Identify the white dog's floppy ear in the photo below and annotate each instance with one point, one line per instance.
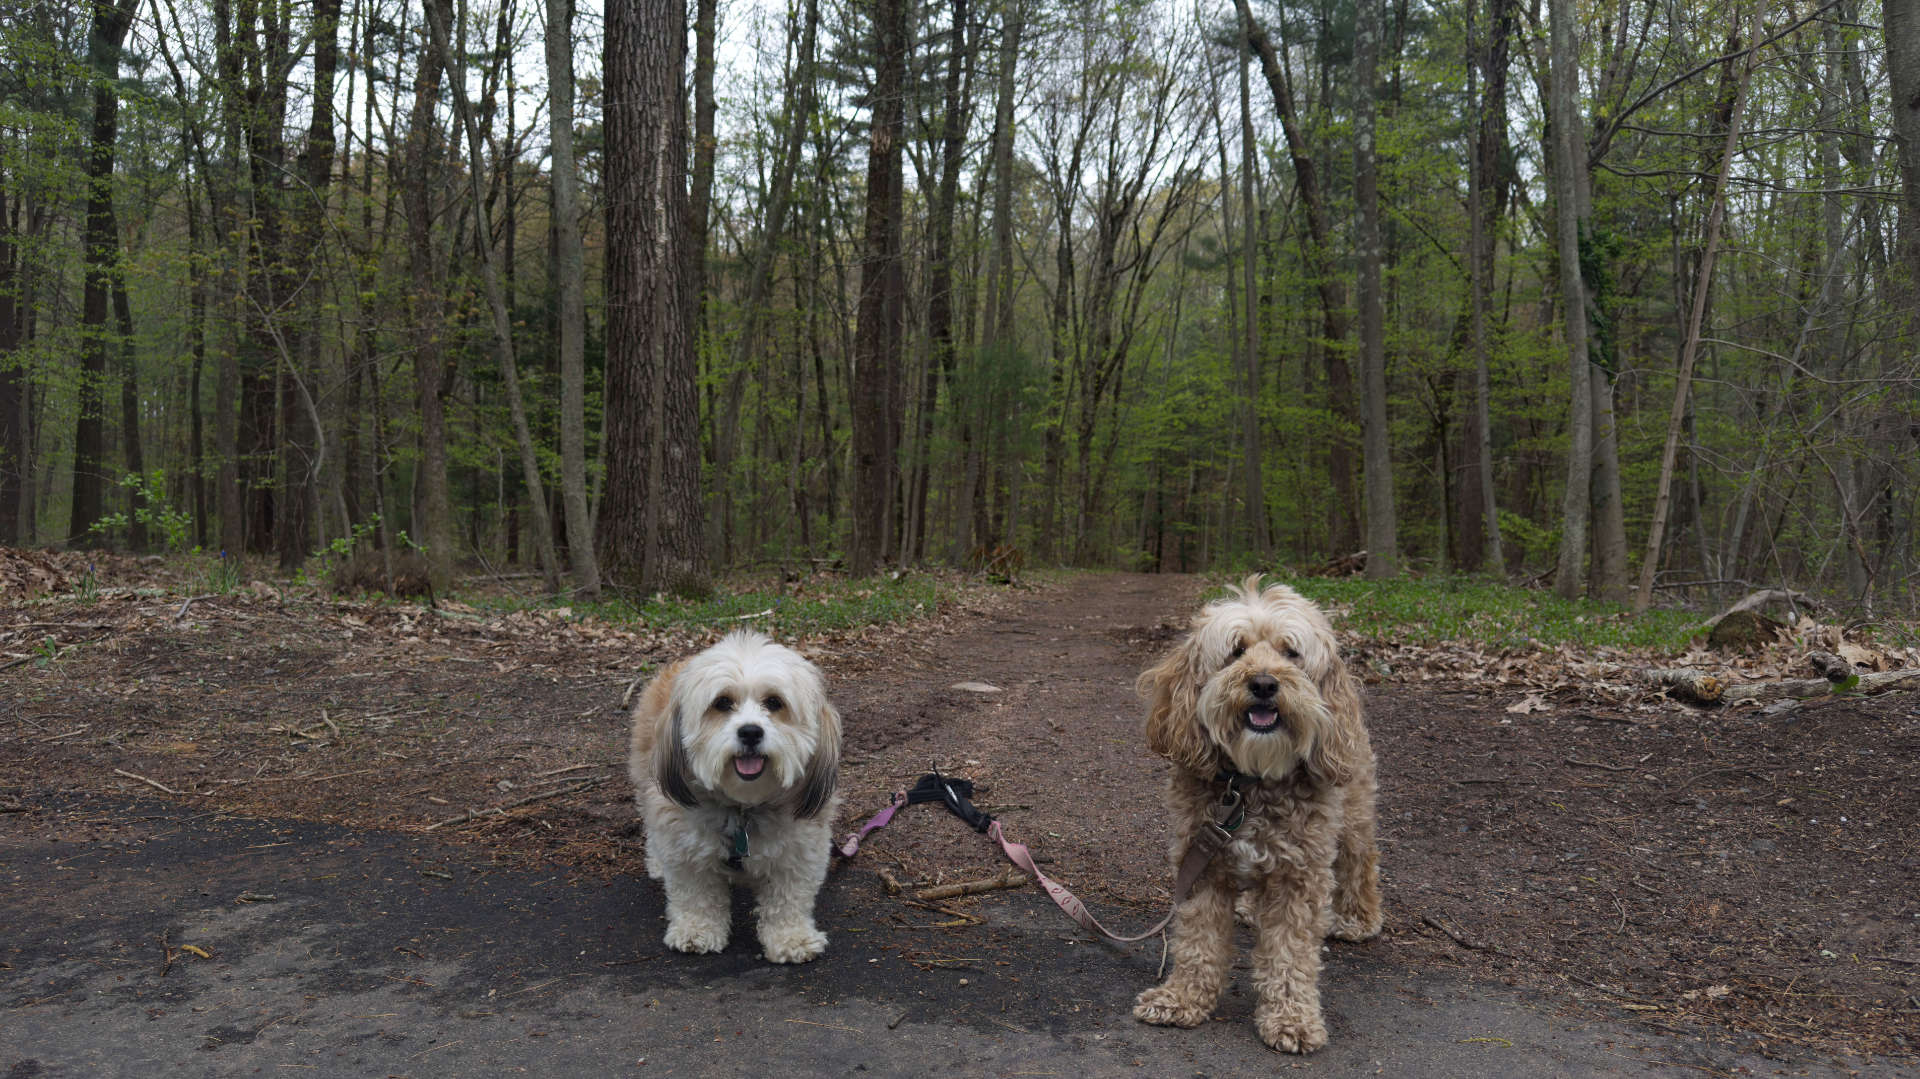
(671, 767)
(1172, 689)
(823, 769)
(1335, 754)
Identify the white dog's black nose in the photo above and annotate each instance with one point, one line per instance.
(750, 734)
(1263, 686)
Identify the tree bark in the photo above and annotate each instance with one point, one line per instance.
(881, 319)
(1383, 544)
(570, 273)
(649, 529)
(1482, 544)
(1567, 168)
(107, 32)
(1255, 480)
(433, 524)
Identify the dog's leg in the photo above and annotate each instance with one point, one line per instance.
(699, 915)
(1286, 960)
(785, 899)
(1202, 948)
(1357, 912)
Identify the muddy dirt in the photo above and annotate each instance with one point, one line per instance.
(1747, 880)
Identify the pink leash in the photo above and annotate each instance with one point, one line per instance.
(1207, 842)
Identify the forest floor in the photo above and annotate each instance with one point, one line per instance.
(1727, 890)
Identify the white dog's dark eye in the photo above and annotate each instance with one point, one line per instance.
(774, 704)
(723, 703)
(1239, 649)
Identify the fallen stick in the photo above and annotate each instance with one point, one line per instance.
(154, 783)
(1006, 878)
(1694, 687)
(529, 800)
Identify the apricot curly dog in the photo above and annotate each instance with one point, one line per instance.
(1255, 707)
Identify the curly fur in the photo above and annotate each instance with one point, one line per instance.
(739, 735)
(1258, 688)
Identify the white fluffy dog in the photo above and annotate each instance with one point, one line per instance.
(734, 758)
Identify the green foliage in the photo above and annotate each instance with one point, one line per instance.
(826, 606)
(150, 507)
(220, 574)
(1491, 614)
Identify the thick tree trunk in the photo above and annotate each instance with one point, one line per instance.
(1479, 511)
(1383, 544)
(107, 32)
(649, 529)
(433, 502)
(1256, 489)
(14, 477)
(1567, 168)
(570, 274)
(881, 318)
(1902, 19)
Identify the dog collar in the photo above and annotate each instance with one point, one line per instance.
(737, 842)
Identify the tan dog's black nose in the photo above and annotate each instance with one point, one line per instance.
(1263, 686)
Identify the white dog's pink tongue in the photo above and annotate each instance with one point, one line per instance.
(748, 767)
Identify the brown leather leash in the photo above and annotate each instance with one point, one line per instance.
(1225, 818)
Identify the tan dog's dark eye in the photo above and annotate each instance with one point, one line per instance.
(723, 703)
(1292, 652)
(774, 704)
(1239, 649)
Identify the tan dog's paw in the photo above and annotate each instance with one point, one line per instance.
(691, 935)
(797, 945)
(1347, 927)
(1289, 1031)
(1165, 1008)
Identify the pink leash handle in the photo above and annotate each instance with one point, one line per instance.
(851, 845)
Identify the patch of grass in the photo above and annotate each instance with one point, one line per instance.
(1493, 614)
(825, 605)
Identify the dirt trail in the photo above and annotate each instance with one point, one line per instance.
(1568, 893)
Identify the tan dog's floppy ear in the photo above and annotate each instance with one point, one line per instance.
(671, 768)
(1335, 754)
(1172, 689)
(823, 770)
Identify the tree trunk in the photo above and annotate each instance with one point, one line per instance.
(135, 454)
(649, 529)
(14, 475)
(570, 271)
(107, 32)
(1383, 544)
(433, 525)
(1567, 168)
(1690, 345)
(1481, 545)
(1256, 488)
(1902, 19)
(876, 401)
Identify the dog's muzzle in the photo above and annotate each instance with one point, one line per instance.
(1263, 715)
(749, 763)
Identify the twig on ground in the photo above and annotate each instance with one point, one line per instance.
(154, 783)
(1465, 942)
(1006, 878)
(890, 882)
(182, 612)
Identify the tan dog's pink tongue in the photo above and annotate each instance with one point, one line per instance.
(749, 766)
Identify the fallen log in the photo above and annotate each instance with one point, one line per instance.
(1685, 684)
(1006, 878)
(1876, 682)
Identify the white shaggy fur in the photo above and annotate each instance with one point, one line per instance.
(740, 735)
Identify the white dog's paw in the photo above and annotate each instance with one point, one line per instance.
(796, 944)
(1164, 1007)
(693, 935)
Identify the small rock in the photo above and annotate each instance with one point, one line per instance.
(974, 687)
(1763, 846)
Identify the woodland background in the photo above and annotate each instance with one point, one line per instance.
(1620, 293)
